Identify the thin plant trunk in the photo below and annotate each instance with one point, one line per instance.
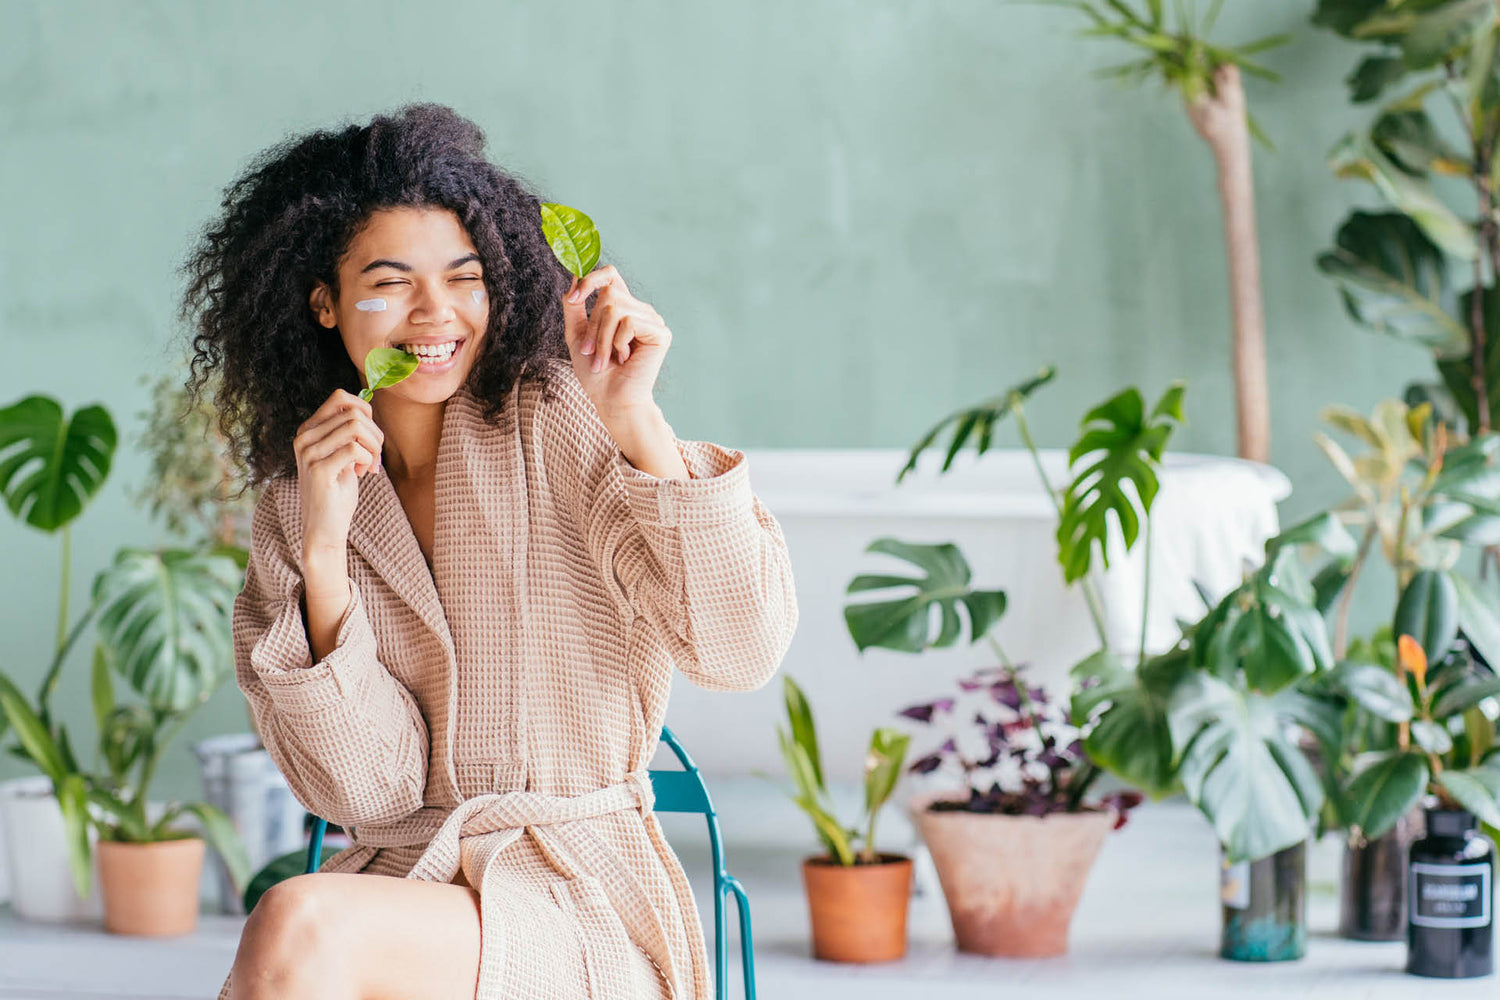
(1220, 119)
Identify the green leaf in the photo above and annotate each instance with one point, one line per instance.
(883, 767)
(804, 731)
(101, 691)
(1428, 612)
(1385, 791)
(72, 798)
(904, 625)
(51, 467)
(1457, 370)
(1130, 737)
(280, 869)
(1393, 279)
(1471, 793)
(976, 424)
(1431, 736)
(38, 743)
(1126, 447)
(1269, 633)
(1344, 16)
(1465, 695)
(1323, 531)
(1376, 690)
(1356, 156)
(165, 615)
(1239, 768)
(1409, 138)
(1374, 76)
(384, 367)
(1478, 619)
(129, 820)
(572, 237)
(220, 832)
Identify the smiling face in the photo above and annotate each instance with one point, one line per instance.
(411, 279)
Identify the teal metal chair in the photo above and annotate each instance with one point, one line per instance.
(676, 792)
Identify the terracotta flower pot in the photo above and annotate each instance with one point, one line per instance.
(858, 911)
(1012, 882)
(151, 889)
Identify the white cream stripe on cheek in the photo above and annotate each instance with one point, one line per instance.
(478, 296)
(370, 305)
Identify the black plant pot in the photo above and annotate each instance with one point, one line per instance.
(1450, 929)
(1265, 907)
(1372, 893)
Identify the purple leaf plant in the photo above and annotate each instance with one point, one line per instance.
(1019, 755)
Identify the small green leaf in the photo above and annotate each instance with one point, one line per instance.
(384, 367)
(804, 731)
(1385, 791)
(1376, 690)
(1428, 612)
(883, 767)
(1471, 793)
(1431, 736)
(572, 237)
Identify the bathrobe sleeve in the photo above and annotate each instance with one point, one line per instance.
(701, 560)
(347, 735)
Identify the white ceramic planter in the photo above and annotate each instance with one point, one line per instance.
(36, 856)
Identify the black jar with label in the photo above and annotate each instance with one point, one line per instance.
(1451, 899)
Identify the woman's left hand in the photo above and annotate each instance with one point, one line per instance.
(617, 349)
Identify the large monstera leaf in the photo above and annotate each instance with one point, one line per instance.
(1240, 768)
(1124, 444)
(1123, 714)
(976, 424)
(1393, 280)
(905, 624)
(165, 616)
(51, 466)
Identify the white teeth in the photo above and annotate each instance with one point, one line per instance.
(438, 352)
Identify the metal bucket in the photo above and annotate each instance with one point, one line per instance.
(240, 778)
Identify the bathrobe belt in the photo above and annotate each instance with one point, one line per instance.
(560, 824)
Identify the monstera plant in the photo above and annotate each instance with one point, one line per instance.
(1431, 72)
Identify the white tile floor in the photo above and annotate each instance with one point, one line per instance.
(1147, 927)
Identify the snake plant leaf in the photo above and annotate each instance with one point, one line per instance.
(384, 367)
(572, 237)
(165, 613)
(804, 730)
(1130, 737)
(1356, 156)
(1240, 769)
(904, 624)
(1472, 794)
(1127, 445)
(51, 467)
(1383, 791)
(1428, 612)
(976, 424)
(1393, 279)
(809, 799)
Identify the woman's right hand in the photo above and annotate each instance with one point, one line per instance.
(335, 446)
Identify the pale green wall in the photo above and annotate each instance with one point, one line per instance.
(854, 215)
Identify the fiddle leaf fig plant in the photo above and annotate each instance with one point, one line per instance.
(572, 237)
(386, 366)
(882, 769)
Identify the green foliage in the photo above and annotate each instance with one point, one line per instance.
(384, 367)
(799, 748)
(1124, 444)
(904, 624)
(65, 461)
(976, 424)
(572, 237)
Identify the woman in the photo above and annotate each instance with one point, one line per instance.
(466, 597)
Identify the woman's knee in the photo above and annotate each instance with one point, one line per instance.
(290, 937)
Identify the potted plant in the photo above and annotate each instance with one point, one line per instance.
(1421, 495)
(856, 895)
(1023, 777)
(55, 465)
(1395, 269)
(164, 620)
(1122, 443)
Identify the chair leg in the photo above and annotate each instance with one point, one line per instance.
(747, 938)
(315, 845)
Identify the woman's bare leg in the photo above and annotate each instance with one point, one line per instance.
(346, 936)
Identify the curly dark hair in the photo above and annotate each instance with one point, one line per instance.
(288, 221)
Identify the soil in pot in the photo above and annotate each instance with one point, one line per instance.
(1012, 882)
(151, 889)
(858, 911)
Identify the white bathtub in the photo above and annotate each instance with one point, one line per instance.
(1212, 514)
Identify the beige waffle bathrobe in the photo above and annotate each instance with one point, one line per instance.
(498, 713)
